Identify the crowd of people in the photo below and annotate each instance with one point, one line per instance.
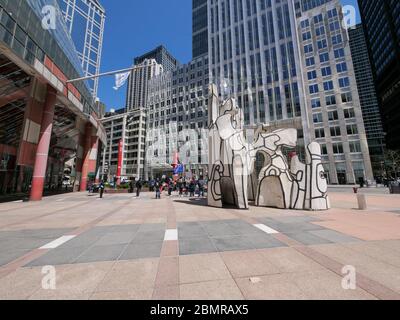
(182, 187)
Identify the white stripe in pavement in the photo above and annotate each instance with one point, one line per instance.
(18, 201)
(59, 200)
(171, 235)
(265, 228)
(58, 242)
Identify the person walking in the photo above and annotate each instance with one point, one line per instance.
(192, 188)
(157, 186)
(170, 187)
(138, 187)
(101, 189)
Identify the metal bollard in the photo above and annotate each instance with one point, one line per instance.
(362, 202)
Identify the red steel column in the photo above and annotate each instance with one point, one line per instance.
(86, 157)
(42, 152)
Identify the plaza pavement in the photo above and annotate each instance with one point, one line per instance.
(121, 247)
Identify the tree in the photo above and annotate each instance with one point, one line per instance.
(392, 158)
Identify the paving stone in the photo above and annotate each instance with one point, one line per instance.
(296, 219)
(307, 238)
(264, 241)
(58, 256)
(243, 228)
(22, 243)
(196, 246)
(191, 230)
(218, 229)
(115, 238)
(334, 236)
(142, 250)
(152, 227)
(9, 256)
(101, 253)
(149, 236)
(83, 240)
(127, 228)
(232, 243)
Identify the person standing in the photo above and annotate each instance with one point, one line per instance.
(170, 187)
(157, 186)
(101, 189)
(138, 187)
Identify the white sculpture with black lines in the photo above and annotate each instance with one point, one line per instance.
(232, 159)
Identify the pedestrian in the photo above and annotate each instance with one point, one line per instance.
(157, 186)
(132, 185)
(201, 187)
(101, 189)
(170, 187)
(180, 188)
(192, 188)
(138, 187)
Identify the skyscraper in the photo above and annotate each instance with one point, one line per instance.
(136, 97)
(381, 22)
(85, 21)
(162, 57)
(288, 64)
(200, 28)
(368, 98)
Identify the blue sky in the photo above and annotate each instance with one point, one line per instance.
(134, 27)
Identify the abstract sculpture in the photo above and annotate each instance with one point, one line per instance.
(232, 160)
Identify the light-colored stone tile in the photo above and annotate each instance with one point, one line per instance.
(130, 275)
(202, 267)
(211, 290)
(248, 263)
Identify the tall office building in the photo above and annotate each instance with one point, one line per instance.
(136, 97)
(381, 22)
(200, 28)
(130, 127)
(368, 98)
(288, 63)
(177, 120)
(162, 57)
(85, 21)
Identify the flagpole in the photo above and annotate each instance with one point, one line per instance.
(107, 73)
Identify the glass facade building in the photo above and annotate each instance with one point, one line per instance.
(288, 64)
(44, 121)
(85, 21)
(162, 57)
(381, 22)
(368, 98)
(200, 28)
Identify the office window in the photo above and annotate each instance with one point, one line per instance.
(337, 148)
(328, 85)
(349, 113)
(324, 149)
(327, 71)
(317, 118)
(347, 97)
(341, 67)
(335, 131)
(352, 129)
(316, 103)
(333, 115)
(312, 75)
(319, 133)
(330, 100)
(310, 62)
(314, 89)
(324, 57)
(344, 82)
(355, 146)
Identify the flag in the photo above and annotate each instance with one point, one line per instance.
(179, 168)
(120, 79)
